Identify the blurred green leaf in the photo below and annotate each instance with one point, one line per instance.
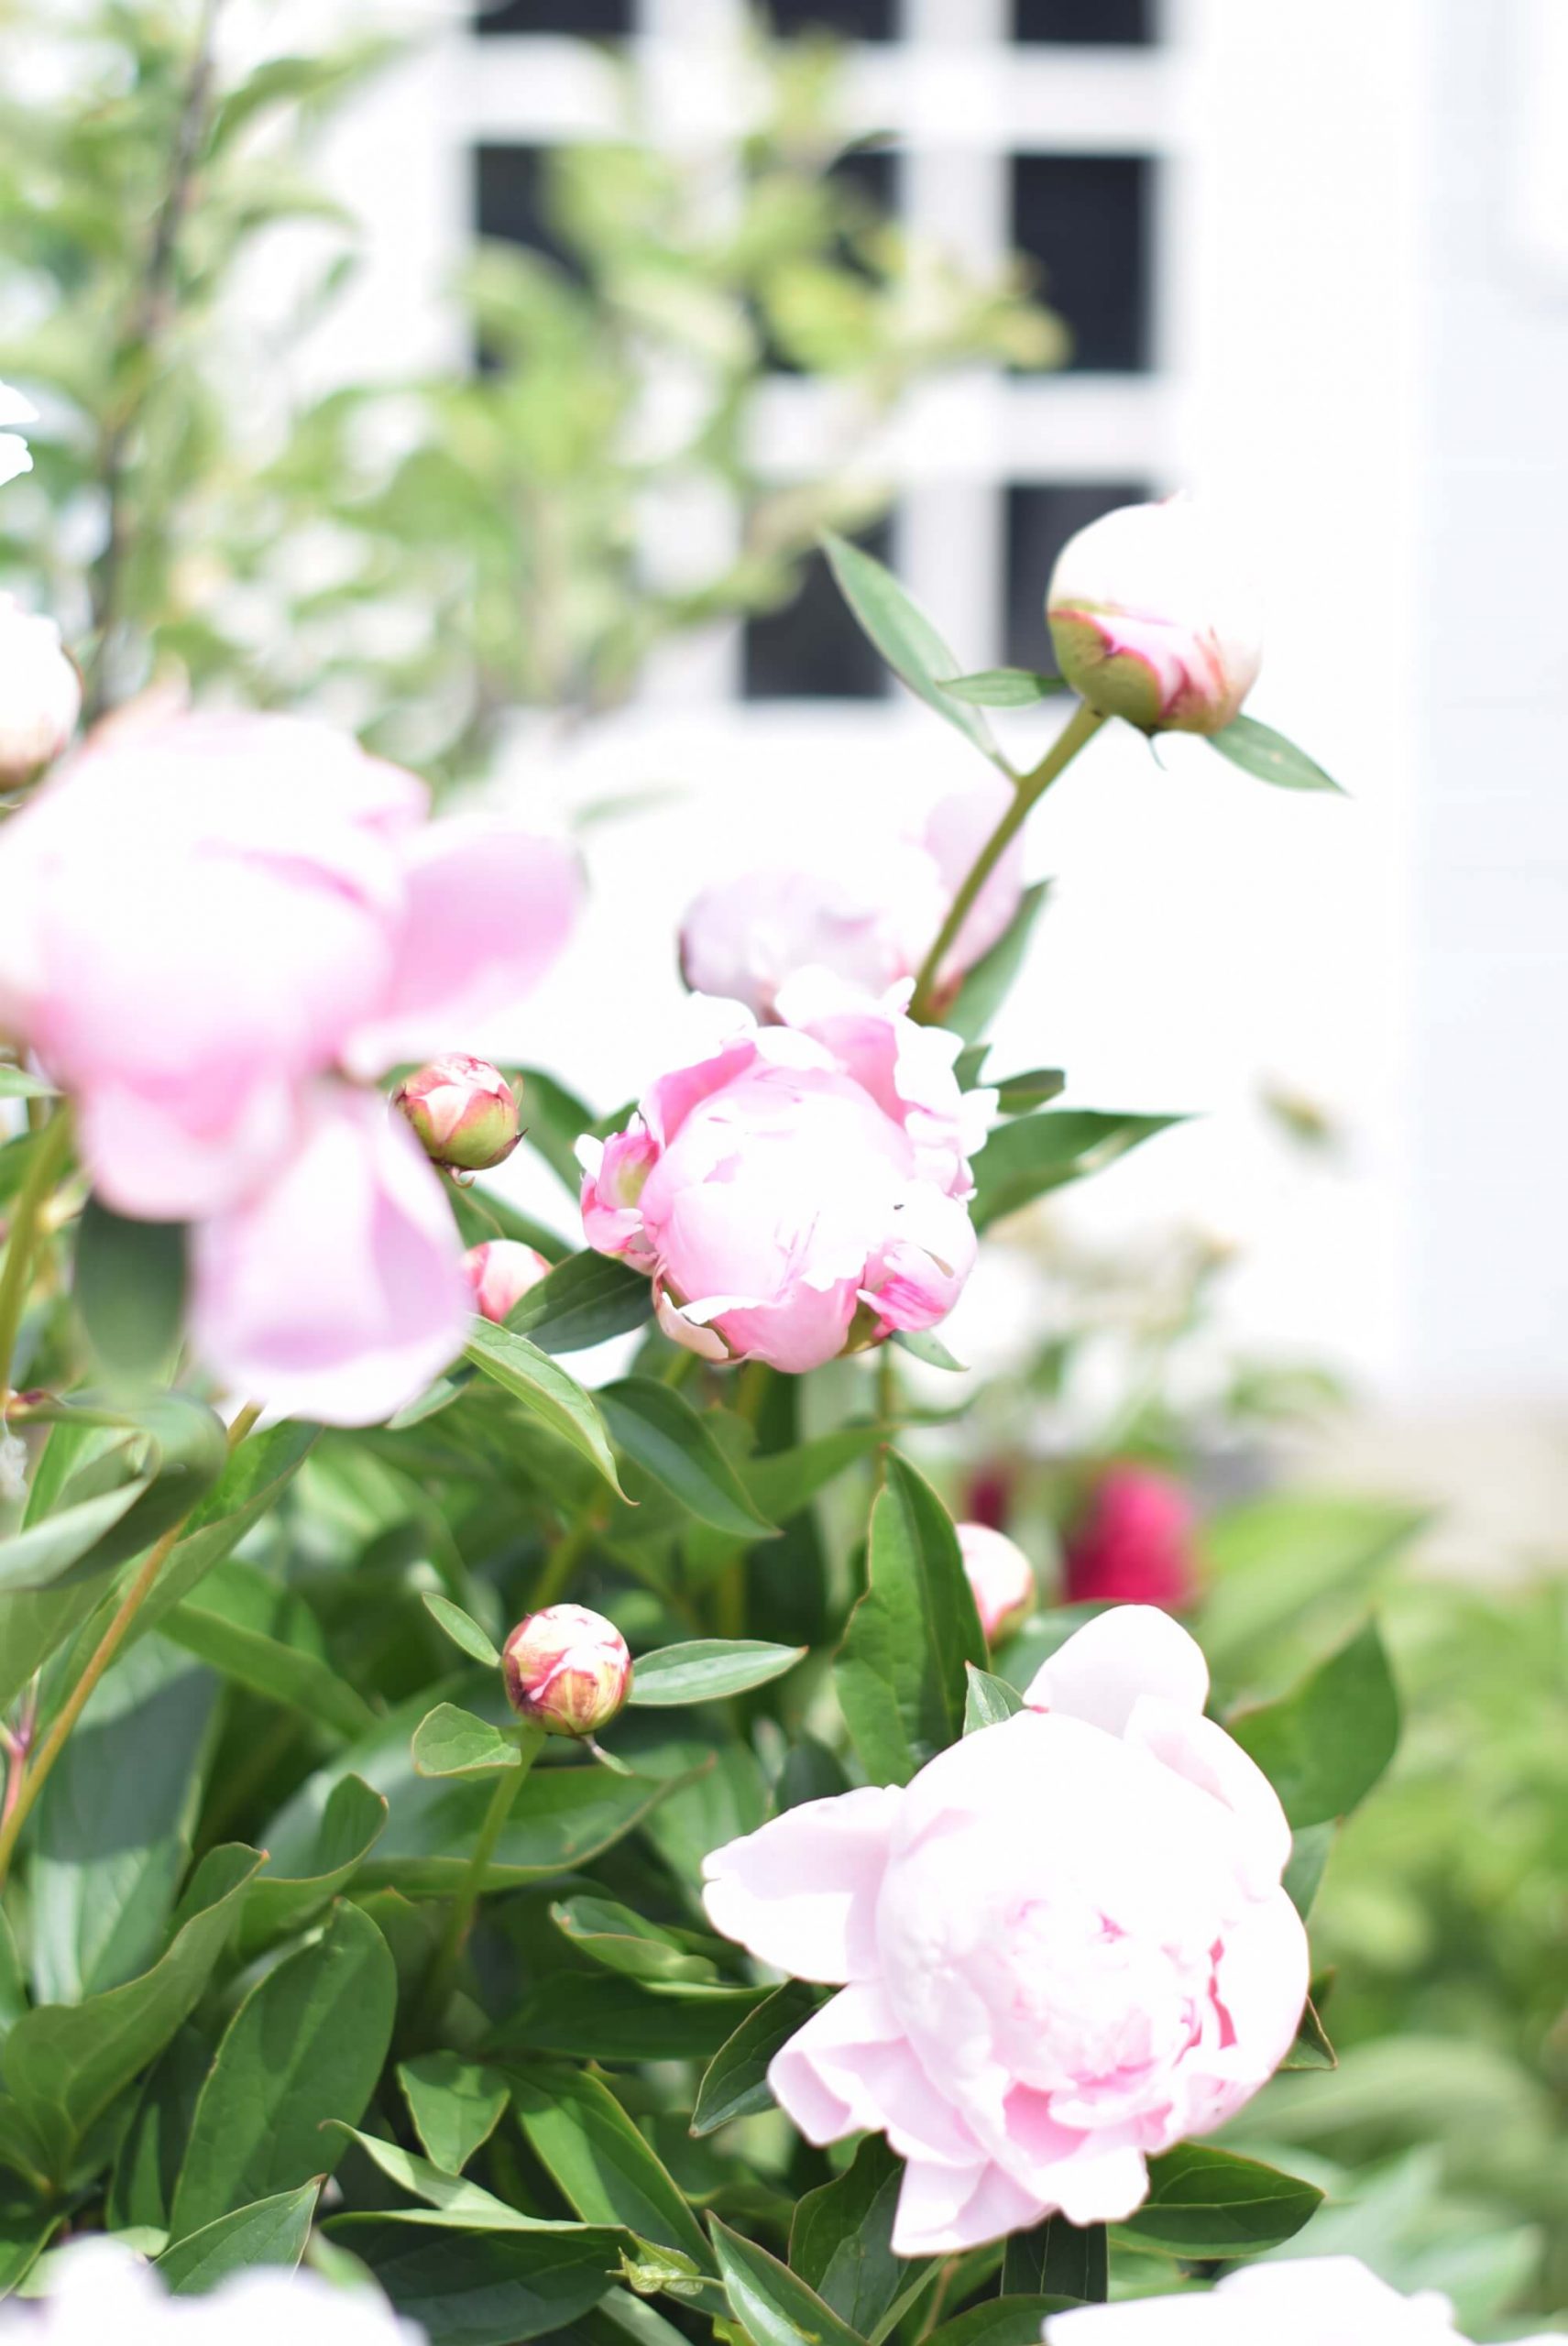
(1259, 750)
(462, 1628)
(1004, 687)
(987, 986)
(1028, 1159)
(658, 1428)
(129, 1284)
(905, 638)
(1203, 2202)
(1324, 1745)
(901, 1671)
(707, 1670)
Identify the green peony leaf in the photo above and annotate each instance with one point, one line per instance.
(585, 1300)
(1028, 1159)
(1259, 750)
(1004, 687)
(1204, 2202)
(735, 2083)
(451, 1742)
(987, 1700)
(660, 1430)
(557, 1400)
(268, 2231)
(772, 2306)
(129, 1284)
(900, 1672)
(1324, 1745)
(906, 640)
(455, 2105)
(462, 1628)
(707, 1670)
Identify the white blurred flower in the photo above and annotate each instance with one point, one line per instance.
(13, 456)
(98, 2290)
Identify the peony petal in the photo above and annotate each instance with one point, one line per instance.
(338, 1291)
(1201, 1751)
(801, 1892)
(943, 2209)
(1102, 1669)
(489, 906)
(160, 1165)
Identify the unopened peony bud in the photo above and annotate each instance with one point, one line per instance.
(1153, 619)
(500, 1271)
(40, 693)
(1001, 1578)
(567, 1669)
(463, 1112)
(1133, 1545)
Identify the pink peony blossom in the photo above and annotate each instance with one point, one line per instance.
(868, 912)
(205, 912)
(1133, 1545)
(1154, 619)
(336, 1290)
(800, 1190)
(462, 1111)
(40, 693)
(499, 1272)
(1063, 1946)
(1001, 1578)
(1316, 2301)
(567, 1669)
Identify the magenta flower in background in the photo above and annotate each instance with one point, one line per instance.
(1133, 1545)
(867, 911)
(1061, 1948)
(801, 1189)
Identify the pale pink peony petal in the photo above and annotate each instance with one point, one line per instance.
(944, 2209)
(338, 1291)
(1200, 1750)
(801, 1892)
(1102, 1669)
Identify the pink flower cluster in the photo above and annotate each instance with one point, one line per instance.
(800, 1190)
(1063, 1947)
(216, 925)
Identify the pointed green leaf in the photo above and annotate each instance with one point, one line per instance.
(593, 2016)
(1017, 1094)
(477, 2288)
(1001, 2321)
(1025, 1160)
(1259, 750)
(464, 2206)
(1202, 2202)
(264, 1637)
(922, 1343)
(450, 1742)
(455, 2105)
(987, 986)
(987, 1700)
(658, 1428)
(840, 2243)
(16, 1083)
(267, 2231)
(462, 1628)
(585, 1300)
(1324, 1745)
(771, 2305)
(900, 1671)
(1004, 687)
(707, 1670)
(905, 638)
(735, 2083)
(278, 1904)
(305, 2046)
(557, 1400)
(1056, 2259)
(626, 1942)
(187, 1451)
(253, 1482)
(599, 2161)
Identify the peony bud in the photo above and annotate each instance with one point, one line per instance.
(1133, 1545)
(463, 1112)
(567, 1669)
(1154, 620)
(500, 1271)
(1001, 1578)
(40, 693)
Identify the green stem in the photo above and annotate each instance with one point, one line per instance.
(49, 1151)
(556, 1573)
(460, 1913)
(1030, 788)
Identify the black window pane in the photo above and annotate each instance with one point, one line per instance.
(591, 19)
(510, 201)
(1085, 220)
(1039, 522)
(1099, 23)
(850, 19)
(812, 650)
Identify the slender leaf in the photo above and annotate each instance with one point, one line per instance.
(585, 1300)
(1324, 1745)
(455, 2105)
(623, 1941)
(464, 2206)
(187, 1451)
(546, 1391)
(707, 1670)
(268, 2231)
(900, 1672)
(771, 2306)
(16, 1083)
(462, 1628)
(1017, 1094)
(921, 1344)
(1026, 1159)
(735, 2083)
(1004, 687)
(265, 1637)
(906, 640)
(600, 2162)
(840, 2243)
(658, 1428)
(1258, 749)
(305, 2046)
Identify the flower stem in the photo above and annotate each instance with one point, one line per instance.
(1028, 789)
(48, 1150)
(460, 1913)
(108, 1645)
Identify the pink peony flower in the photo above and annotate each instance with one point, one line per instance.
(40, 693)
(462, 1111)
(567, 1669)
(1134, 1543)
(206, 912)
(335, 1291)
(1154, 619)
(801, 1190)
(1001, 1578)
(869, 914)
(499, 1272)
(1316, 2301)
(1062, 1946)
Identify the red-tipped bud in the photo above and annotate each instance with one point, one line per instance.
(567, 1669)
(463, 1112)
(500, 1271)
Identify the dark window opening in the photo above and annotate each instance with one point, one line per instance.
(872, 176)
(589, 19)
(1101, 24)
(1040, 519)
(850, 19)
(510, 203)
(1085, 220)
(812, 649)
